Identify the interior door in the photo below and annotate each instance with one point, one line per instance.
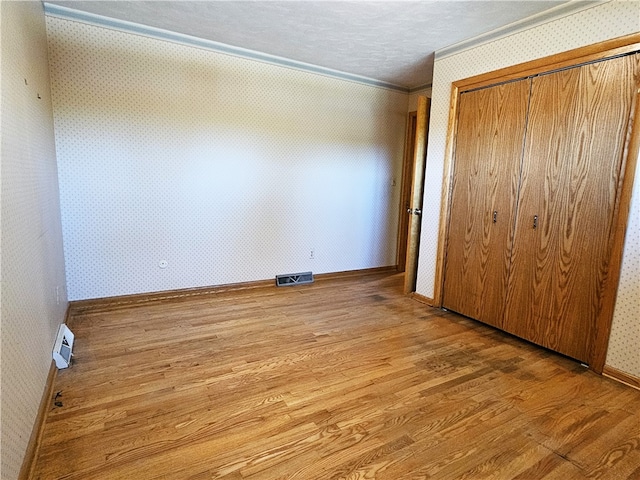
(488, 151)
(578, 119)
(405, 193)
(415, 209)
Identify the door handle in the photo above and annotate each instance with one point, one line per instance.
(535, 222)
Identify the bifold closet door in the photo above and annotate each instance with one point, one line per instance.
(489, 142)
(578, 121)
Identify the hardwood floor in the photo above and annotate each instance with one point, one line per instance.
(345, 378)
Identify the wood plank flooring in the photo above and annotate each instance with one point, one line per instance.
(342, 379)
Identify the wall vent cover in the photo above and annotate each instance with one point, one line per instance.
(294, 279)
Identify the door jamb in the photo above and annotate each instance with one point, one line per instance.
(405, 191)
(417, 193)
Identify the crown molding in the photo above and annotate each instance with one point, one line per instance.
(67, 13)
(564, 10)
(420, 88)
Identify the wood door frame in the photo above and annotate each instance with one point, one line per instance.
(405, 190)
(600, 51)
(417, 193)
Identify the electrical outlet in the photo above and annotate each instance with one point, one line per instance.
(312, 255)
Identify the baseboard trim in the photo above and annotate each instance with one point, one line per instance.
(33, 447)
(621, 376)
(98, 303)
(422, 299)
(79, 306)
(356, 273)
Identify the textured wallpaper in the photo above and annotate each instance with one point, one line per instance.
(624, 342)
(33, 293)
(599, 23)
(413, 98)
(181, 167)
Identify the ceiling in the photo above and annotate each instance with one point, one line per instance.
(389, 41)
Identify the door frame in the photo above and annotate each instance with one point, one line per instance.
(405, 190)
(610, 48)
(417, 191)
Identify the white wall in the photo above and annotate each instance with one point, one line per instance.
(596, 24)
(231, 170)
(32, 259)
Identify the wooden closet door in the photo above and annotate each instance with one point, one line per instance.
(489, 144)
(578, 119)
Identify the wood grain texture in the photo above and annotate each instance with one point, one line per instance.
(182, 293)
(405, 190)
(578, 121)
(589, 53)
(489, 143)
(343, 379)
(606, 49)
(417, 185)
(629, 162)
(445, 197)
(621, 376)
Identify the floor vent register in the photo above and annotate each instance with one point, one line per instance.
(294, 279)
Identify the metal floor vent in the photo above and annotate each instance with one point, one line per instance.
(63, 347)
(294, 279)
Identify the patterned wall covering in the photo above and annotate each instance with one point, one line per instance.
(599, 23)
(413, 98)
(32, 259)
(624, 342)
(228, 169)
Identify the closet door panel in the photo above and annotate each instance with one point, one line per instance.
(489, 144)
(578, 120)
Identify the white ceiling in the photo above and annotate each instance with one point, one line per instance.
(389, 41)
